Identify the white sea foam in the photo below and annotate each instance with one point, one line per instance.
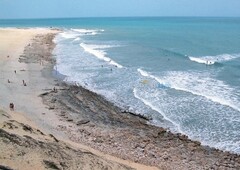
(87, 31)
(76, 33)
(69, 35)
(77, 39)
(198, 84)
(94, 46)
(153, 107)
(215, 95)
(146, 74)
(210, 60)
(202, 61)
(97, 50)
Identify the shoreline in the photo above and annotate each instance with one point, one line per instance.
(28, 134)
(89, 119)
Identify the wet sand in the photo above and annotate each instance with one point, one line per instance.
(79, 119)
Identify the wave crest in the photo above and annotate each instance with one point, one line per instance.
(210, 60)
(101, 54)
(87, 31)
(202, 61)
(198, 84)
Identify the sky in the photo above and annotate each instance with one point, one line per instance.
(11, 9)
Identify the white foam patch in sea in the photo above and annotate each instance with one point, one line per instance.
(146, 74)
(150, 103)
(77, 33)
(210, 114)
(69, 35)
(199, 84)
(88, 31)
(77, 39)
(210, 60)
(98, 51)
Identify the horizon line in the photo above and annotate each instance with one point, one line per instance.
(122, 17)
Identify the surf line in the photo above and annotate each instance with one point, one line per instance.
(157, 110)
(100, 54)
(209, 97)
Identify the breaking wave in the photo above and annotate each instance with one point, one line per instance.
(98, 51)
(198, 84)
(210, 60)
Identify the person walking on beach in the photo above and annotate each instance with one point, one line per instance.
(11, 106)
(54, 90)
(24, 83)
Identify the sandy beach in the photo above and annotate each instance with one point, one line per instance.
(24, 130)
(55, 125)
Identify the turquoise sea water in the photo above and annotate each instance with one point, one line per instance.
(184, 73)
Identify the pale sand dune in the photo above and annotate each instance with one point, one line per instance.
(14, 40)
(29, 109)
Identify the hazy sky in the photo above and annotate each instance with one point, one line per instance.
(106, 8)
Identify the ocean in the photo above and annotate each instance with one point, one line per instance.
(182, 72)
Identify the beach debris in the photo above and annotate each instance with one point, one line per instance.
(43, 94)
(40, 132)
(56, 140)
(51, 108)
(27, 128)
(82, 122)
(15, 71)
(70, 120)
(136, 114)
(9, 81)
(64, 89)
